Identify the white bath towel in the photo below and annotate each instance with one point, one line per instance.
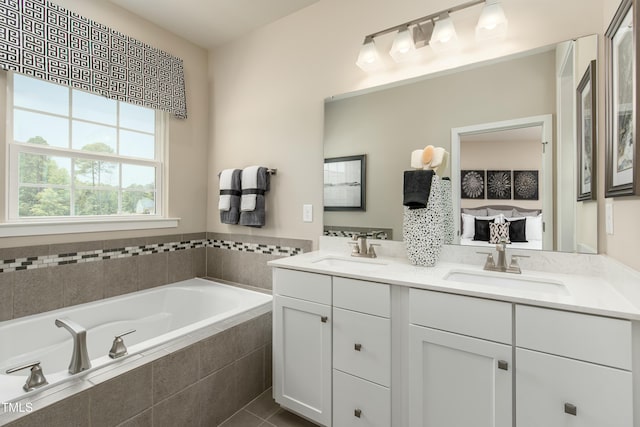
(416, 159)
(249, 181)
(224, 202)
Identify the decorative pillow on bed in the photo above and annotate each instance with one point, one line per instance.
(518, 212)
(533, 228)
(475, 212)
(499, 233)
(481, 227)
(468, 224)
(508, 213)
(518, 230)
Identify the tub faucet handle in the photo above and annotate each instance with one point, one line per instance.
(36, 377)
(118, 349)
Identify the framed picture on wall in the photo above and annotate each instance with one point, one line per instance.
(525, 185)
(498, 184)
(587, 135)
(621, 41)
(344, 183)
(472, 184)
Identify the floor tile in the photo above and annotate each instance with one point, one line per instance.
(263, 406)
(283, 418)
(242, 419)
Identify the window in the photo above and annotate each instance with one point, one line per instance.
(74, 155)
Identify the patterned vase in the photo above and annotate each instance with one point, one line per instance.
(447, 209)
(423, 229)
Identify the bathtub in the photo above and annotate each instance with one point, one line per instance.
(159, 315)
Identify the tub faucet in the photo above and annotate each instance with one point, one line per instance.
(80, 357)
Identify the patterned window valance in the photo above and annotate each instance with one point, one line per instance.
(42, 39)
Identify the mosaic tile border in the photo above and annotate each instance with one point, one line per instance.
(43, 261)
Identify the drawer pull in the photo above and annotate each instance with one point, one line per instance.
(570, 409)
(357, 413)
(357, 347)
(324, 319)
(503, 364)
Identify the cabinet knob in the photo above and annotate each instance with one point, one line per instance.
(324, 319)
(570, 409)
(357, 347)
(503, 364)
(357, 413)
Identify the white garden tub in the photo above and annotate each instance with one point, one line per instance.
(158, 315)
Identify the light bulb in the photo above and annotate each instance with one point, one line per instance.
(492, 23)
(444, 35)
(403, 48)
(368, 58)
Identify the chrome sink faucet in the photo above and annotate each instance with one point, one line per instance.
(80, 357)
(501, 264)
(360, 246)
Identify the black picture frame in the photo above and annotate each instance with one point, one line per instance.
(622, 173)
(472, 184)
(526, 185)
(587, 135)
(345, 183)
(499, 184)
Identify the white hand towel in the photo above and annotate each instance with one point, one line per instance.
(440, 170)
(224, 202)
(249, 181)
(416, 159)
(438, 156)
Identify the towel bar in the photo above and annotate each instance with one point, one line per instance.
(269, 171)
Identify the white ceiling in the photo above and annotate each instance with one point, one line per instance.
(211, 23)
(533, 133)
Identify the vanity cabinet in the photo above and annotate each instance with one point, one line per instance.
(458, 374)
(572, 369)
(302, 343)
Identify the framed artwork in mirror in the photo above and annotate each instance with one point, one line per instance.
(525, 185)
(621, 168)
(587, 135)
(344, 183)
(472, 183)
(499, 184)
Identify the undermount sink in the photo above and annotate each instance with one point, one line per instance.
(509, 281)
(360, 264)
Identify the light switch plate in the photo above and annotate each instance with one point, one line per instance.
(608, 213)
(307, 213)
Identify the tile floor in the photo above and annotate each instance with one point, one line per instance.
(263, 411)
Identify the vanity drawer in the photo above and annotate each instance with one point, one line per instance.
(362, 296)
(595, 339)
(556, 391)
(475, 317)
(359, 403)
(302, 285)
(362, 345)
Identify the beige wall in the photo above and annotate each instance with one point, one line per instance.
(268, 87)
(502, 155)
(188, 138)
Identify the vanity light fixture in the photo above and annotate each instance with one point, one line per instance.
(492, 23)
(369, 59)
(436, 30)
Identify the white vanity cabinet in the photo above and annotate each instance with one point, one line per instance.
(460, 361)
(302, 343)
(361, 353)
(572, 369)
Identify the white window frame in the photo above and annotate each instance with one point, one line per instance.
(26, 226)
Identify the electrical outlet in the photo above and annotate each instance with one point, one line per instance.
(608, 214)
(307, 213)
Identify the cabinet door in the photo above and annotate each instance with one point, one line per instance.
(458, 381)
(556, 391)
(302, 357)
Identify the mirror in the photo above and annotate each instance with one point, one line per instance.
(477, 113)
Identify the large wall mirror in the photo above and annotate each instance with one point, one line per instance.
(513, 119)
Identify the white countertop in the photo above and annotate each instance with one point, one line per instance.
(586, 294)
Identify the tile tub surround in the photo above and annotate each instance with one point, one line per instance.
(200, 380)
(245, 261)
(36, 279)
